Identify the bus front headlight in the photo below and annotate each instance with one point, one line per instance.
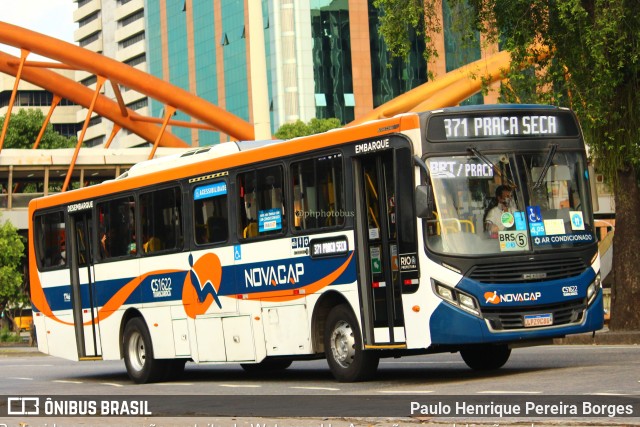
(458, 298)
(468, 303)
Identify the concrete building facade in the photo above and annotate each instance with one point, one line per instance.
(116, 29)
(325, 58)
(64, 118)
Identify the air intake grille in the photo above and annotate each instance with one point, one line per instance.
(513, 318)
(528, 271)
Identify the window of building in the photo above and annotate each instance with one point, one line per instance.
(50, 241)
(94, 141)
(210, 213)
(317, 193)
(141, 103)
(88, 19)
(116, 228)
(161, 220)
(261, 199)
(131, 40)
(331, 40)
(89, 39)
(67, 129)
(131, 18)
(95, 121)
(136, 60)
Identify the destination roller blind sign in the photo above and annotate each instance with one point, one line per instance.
(464, 126)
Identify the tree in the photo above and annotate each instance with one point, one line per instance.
(299, 128)
(24, 128)
(12, 290)
(593, 67)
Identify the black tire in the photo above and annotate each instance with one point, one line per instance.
(141, 365)
(486, 357)
(266, 366)
(343, 348)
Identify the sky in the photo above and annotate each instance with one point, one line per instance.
(53, 18)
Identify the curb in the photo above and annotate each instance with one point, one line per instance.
(18, 349)
(603, 337)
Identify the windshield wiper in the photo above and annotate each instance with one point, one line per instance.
(489, 163)
(547, 164)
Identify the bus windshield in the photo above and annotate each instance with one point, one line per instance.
(509, 202)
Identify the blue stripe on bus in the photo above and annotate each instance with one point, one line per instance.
(252, 278)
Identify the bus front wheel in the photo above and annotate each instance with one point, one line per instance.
(343, 348)
(486, 357)
(141, 365)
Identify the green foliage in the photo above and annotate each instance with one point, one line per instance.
(299, 128)
(24, 128)
(400, 17)
(7, 336)
(12, 292)
(594, 65)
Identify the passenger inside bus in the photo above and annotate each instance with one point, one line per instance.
(497, 207)
(152, 244)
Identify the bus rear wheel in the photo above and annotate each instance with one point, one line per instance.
(343, 348)
(141, 365)
(486, 357)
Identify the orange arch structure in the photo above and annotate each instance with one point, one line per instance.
(122, 74)
(118, 74)
(445, 91)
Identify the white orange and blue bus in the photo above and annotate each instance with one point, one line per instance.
(357, 244)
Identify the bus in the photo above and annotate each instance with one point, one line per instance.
(354, 245)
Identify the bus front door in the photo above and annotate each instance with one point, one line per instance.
(83, 290)
(377, 239)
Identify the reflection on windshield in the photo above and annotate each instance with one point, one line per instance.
(492, 204)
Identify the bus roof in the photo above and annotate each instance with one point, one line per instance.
(221, 157)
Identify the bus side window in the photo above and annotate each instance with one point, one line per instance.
(210, 213)
(317, 193)
(49, 235)
(116, 227)
(261, 202)
(161, 220)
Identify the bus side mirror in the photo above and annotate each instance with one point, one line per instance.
(424, 202)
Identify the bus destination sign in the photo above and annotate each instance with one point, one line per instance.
(464, 127)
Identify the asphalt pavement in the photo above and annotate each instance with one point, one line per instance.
(602, 337)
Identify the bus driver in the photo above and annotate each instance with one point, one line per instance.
(493, 217)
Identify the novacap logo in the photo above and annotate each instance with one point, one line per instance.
(202, 284)
(495, 298)
(273, 275)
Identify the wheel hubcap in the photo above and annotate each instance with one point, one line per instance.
(137, 353)
(343, 344)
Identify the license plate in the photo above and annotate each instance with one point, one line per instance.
(533, 320)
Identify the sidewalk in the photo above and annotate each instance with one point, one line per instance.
(602, 337)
